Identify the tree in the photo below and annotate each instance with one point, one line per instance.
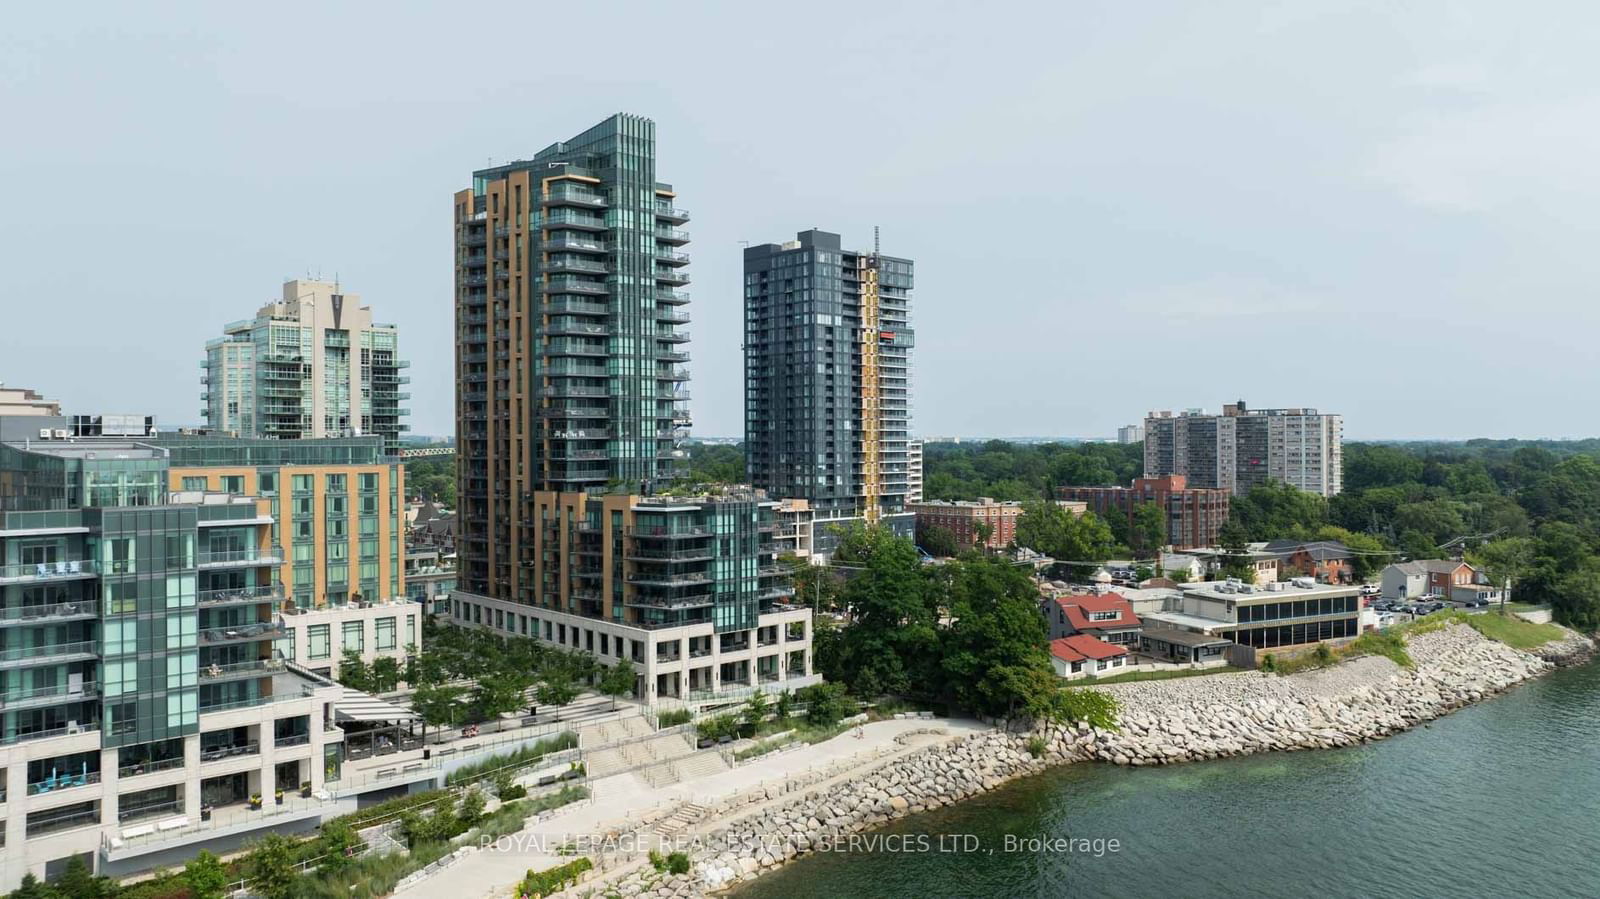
(825, 703)
(888, 646)
(32, 888)
(501, 692)
(1081, 541)
(438, 705)
(814, 585)
(1368, 555)
(78, 882)
(1504, 562)
(755, 711)
(270, 867)
(935, 541)
(785, 705)
(982, 532)
(993, 653)
(205, 876)
(354, 672)
(384, 675)
(1148, 530)
(618, 681)
(1277, 510)
(557, 687)
(337, 845)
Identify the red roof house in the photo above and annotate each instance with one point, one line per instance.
(1108, 616)
(1082, 655)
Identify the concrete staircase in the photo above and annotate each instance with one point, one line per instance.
(633, 726)
(686, 767)
(686, 815)
(646, 751)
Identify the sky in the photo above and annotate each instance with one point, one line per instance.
(1376, 209)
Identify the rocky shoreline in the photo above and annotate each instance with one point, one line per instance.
(1161, 722)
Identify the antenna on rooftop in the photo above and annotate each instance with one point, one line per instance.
(874, 243)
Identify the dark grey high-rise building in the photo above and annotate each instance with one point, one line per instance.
(569, 359)
(827, 376)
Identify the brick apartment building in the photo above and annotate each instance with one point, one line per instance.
(962, 517)
(1194, 514)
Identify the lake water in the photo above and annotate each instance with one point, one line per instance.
(1500, 799)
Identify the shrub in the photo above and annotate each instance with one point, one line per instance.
(511, 761)
(471, 810)
(678, 863)
(1036, 746)
(674, 717)
(657, 861)
(543, 883)
(506, 787)
(1268, 663)
(1324, 654)
(825, 703)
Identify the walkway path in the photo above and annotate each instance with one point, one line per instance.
(619, 804)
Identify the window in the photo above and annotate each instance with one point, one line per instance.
(197, 483)
(369, 482)
(233, 483)
(336, 484)
(317, 645)
(267, 483)
(302, 483)
(354, 632)
(384, 632)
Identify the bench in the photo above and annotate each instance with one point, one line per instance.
(143, 830)
(173, 824)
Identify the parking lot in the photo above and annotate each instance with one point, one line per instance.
(1402, 611)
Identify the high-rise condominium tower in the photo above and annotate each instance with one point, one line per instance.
(569, 410)
(1244, 447)
(827, 377)
(313, 364)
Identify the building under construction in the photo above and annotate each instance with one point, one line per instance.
(828, 379)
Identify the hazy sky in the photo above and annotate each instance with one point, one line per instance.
(1384, 210)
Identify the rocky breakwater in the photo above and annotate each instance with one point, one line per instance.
(1161, 722)
(1357, 701)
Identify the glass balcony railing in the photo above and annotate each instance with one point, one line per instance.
(50, 651)
(41, 571)
(272, 555)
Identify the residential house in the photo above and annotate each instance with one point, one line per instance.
(1084, 656)
(1105, 616)
(1422, 577)
(1328, 561)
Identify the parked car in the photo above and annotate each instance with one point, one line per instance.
(1370, 589)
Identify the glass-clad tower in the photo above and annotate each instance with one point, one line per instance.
(312, 364)
(569, 269)
(827, 377)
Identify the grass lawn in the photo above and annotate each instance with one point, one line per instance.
(1513, 631)
(1156, 675)
(1519, 607)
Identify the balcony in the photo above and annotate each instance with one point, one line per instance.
(291, 740)
(568, 196)
(241, 558)
(48, 571)
(570, 326)
(672, 236)
(55, 694)
(669, 554)
(584, 266)
(669, 601)
(241, 670)
(569, 219)
(674, 318)
(569, 284)
(675, 277)
(652, 533)
(672, 374)
(51, 611)
(575, 307)
(139, 768)
(668, 257)
(66, 781)
(572, 244)
(671, 213)
(689, 579)
(52, 654)
(240, 596)
(244, 633)
(574, 412)
(232, 750)
(673, 297)
(575, 347)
